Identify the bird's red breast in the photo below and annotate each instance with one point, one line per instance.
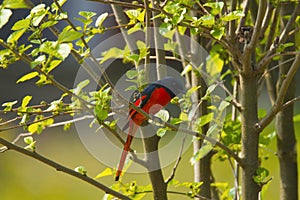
(158, 99)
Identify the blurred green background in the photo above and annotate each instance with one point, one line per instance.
(25, 178)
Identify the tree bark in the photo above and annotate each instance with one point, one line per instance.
(250, 135)
(154, 170)
(286, 140)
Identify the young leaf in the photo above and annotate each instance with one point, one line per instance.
(39, 60)
(236, 14)
(69, 35)
(100, 113)
(106, 172)
(81, 170)
(27, 77)
(216, 7)
(25, 101)
(8, 105)
(31, 143)
(64, 50)
(38, 8)
(218, 32)
(261, 175)
(101, 19)
(87, 14)
(4, 16)
(23, 23)
(131, 74)
(161, 132)
(112, 53)
(15, 36)
(16, 4)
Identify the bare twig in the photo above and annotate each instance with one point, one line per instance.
(281, 95)
(290, 102)
(256, 33)
(172, 175)
(281, 39)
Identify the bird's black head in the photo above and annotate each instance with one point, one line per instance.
(175, 86)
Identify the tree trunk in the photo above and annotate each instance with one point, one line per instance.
(286, 140)
(154, 170)
(250, 135)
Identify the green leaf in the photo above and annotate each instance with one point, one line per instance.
(100, 113)
(161, 132)
(27, 77)
(205, 119)
(60, 2)
(80, 86)
(112, 53)
(163, 115)
(35, 127)
(28, 140)
(39, 60)
(81, 170)
(135, 28)
(166, 30)
(133, 57)
(261, 175)
(192, 90)
(87, 14)
(234, 15)
(48, 24)
(105, 172)
(23, 23)
(218, 32)
(53, 65)
(4, 16)
(187, 69)
(8, 105)
(69, 35)
(26, 101)
(216, 7)
(203, 151)
(206, 20)
(132, 14)
(131, 74)
(101, 19)
(282, 47)
(64, 50)
(15, 36)
(31, 143)
(38, 8)
(266, 139)
(16, 4)
(214, 64)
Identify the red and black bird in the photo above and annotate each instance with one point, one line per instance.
(152, 99)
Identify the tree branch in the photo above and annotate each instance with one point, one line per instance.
(249, 49)
(62, 168)
(281, 95)
(281, 39)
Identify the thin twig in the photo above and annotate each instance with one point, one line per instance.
(256, 33)
(172, 175)
(281, 95)
(290, 102)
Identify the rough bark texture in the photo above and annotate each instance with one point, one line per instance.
(286, 140)
(248, 96)
(154, 171)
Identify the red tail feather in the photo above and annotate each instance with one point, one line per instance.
(126, 149)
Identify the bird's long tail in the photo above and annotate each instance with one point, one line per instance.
(132, 129)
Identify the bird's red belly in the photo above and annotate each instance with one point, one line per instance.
(159, 98)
